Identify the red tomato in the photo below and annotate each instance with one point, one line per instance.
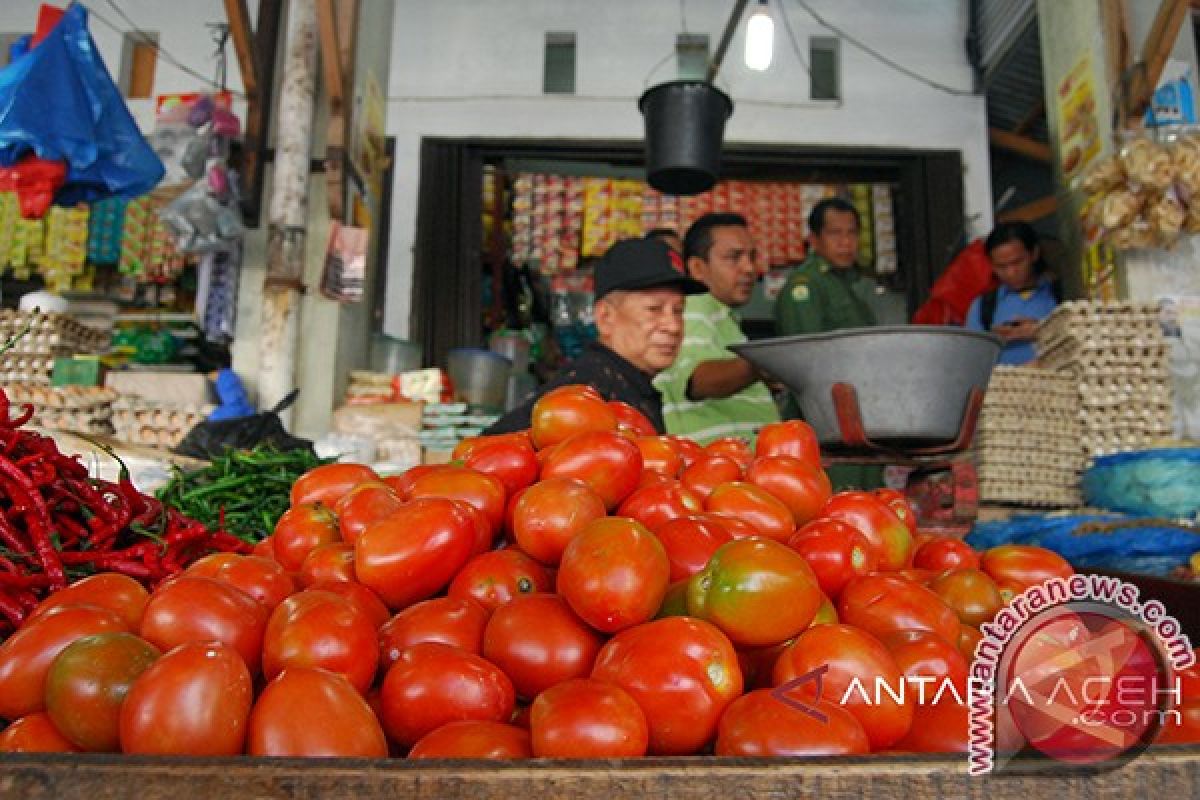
(585, 718)
(757, 664)
(736, 527)
(495, 577)
(630, 420)
(414, 553)
(111, 590)
(513, 461)
(614, 574)
(1189, 680)
(900, 506)
(659, 454)
(265, 548)
(792, 437)
(310, 712)
(262, 578)
(945, 553)
(757, 591)
(760, 724)
(1182, 730)
(472, 738)
(193, 701)
(689, 450)
(34, 733)
(770, 517)
(937, 728)
(327, 563)
(968, 639)
(851, 655)
(971, 594)
(327, 483)
(659, 503)
(455, 621)
(322, 630)
(826, 614)
(683, 673)
(1022, 566)
(402, 484)
(884, 604)
(539, 642)
(930, 663)
(690, 542)
(922, 577)
(732, 447)
(804, 488)
(299, 530)
(87, 683)
(362, 505)
(607, 463)
(569, 411)
(432, 684)
(836, 551)
(467, 447)
(483, 492)
(188, 609)
(883, 529)
(549, 514)
(360, 597)
(26, 656)
(708, 471)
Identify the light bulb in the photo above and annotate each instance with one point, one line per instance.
(760, 39)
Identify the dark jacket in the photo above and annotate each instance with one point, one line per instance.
(606, 372)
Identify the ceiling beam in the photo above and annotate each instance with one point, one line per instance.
(1021, 145)
(243, 44)
(1031, 211)
(1155, 52)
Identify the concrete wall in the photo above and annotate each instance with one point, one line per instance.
(474, 68)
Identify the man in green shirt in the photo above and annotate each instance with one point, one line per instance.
(709, 392)
(827, 293)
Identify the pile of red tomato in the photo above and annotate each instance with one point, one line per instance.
(583, 589)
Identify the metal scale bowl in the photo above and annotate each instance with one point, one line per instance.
(905, 396)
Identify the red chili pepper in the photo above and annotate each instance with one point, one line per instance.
(39, 524)
(11, 610)
(34, 581)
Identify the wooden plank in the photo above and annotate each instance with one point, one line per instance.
(258, 112)
(1172, 772)
(1034, 210)
(1021, 145)
(336, 29)
(1155, 52)
(243, 45)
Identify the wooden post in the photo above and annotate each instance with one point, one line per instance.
(286, 231)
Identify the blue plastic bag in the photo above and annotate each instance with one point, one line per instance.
(59, 102)
(1163, 482)
(1130, 544)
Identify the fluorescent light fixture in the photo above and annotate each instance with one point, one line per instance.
(760, 38)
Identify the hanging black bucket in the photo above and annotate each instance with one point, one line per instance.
(685, 121)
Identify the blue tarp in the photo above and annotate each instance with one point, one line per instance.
(60, 103)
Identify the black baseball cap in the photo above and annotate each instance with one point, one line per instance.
(634, 264)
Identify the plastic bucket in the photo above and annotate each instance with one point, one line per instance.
(513, 346)
(480, 376)
(392, 356)
(685, 122)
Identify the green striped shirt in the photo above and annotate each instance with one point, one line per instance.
(709, 326)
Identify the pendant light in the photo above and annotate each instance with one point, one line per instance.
(760, 38)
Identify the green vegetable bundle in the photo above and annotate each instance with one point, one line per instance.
(243, 492)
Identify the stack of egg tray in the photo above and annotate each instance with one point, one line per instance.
(76, 409)
(1027, 444)
(1117, 357)
(161, 425)
(40, 338)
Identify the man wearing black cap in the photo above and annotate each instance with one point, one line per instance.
(640, 288)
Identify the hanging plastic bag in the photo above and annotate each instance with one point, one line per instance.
(59, 102)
